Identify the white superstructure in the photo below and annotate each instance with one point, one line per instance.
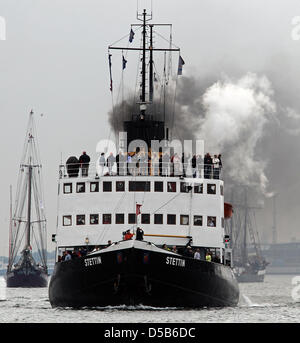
(93, 209)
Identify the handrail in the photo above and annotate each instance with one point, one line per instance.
(140, 168)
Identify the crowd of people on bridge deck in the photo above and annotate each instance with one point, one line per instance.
(156, 164)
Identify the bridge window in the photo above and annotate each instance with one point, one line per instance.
(211, 221)
(107, 186)
(198, 220)
(211, 188)
(119, 218)
(67, 188)
(158, 218)
(145, 218)
(139, 186)
(184, 187)
(198, 188)
(80, 219)
(184, 219)
(158, 186)
(80, 187)
(94, 219)
(120, 186)
(171, 186)
(94, 187)
(131, 218)
(106, 218)
(171, 219)
(222, 222)
(221, 190)
(67, 220)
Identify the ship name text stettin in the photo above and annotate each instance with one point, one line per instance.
(175, 261)
(92, 261)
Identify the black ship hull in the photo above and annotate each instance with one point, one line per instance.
(23, 278)
(134, 273)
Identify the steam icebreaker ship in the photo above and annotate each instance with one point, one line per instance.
(172, 206)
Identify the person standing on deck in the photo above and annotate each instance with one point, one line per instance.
(84, 161)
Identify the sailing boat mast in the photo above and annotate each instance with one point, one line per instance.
(27, 243)
(10, 226)
(245, 254)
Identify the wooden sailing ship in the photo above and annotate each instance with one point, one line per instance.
(27, 263)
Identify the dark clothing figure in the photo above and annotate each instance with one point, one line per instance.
(118, 163)
(84, 161)
(194, 165)
(220, 163)
(183, 160)
(207, 166)
(72, 166)
(139, 234)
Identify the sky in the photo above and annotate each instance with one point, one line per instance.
(54, 60)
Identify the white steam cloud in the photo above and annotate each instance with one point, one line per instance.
(236, 112)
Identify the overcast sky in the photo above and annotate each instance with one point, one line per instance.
(54, 60)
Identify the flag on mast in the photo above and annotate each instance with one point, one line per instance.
(111, 83)
(180, 64)
(124, 62)
(131, 36)
(138, 209)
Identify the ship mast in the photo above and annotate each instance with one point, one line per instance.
(28, 226)
(10, 226)
(245, 254)
(144, 17)
(29, 203)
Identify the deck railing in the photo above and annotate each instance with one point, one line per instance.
(167, 169)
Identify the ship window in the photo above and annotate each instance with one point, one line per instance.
(94, 187)
(67, 220)
(80, 187)
(106, 219)
(198, 188)
(131, 218)
(106, 186)
(198, 220)
(139, 186)
(119, 218)
(184, 219)
(158, 218)
(211, 221)
(184, 187)
(222, 222)
(94, 219)
(171, 186)
(221, 190)
(211, 188)
(145, 218)
(171, 219)
(80, 219)
(67, 188)
(158, 186)
(120, 186)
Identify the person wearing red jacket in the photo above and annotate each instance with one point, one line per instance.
(128, 235)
